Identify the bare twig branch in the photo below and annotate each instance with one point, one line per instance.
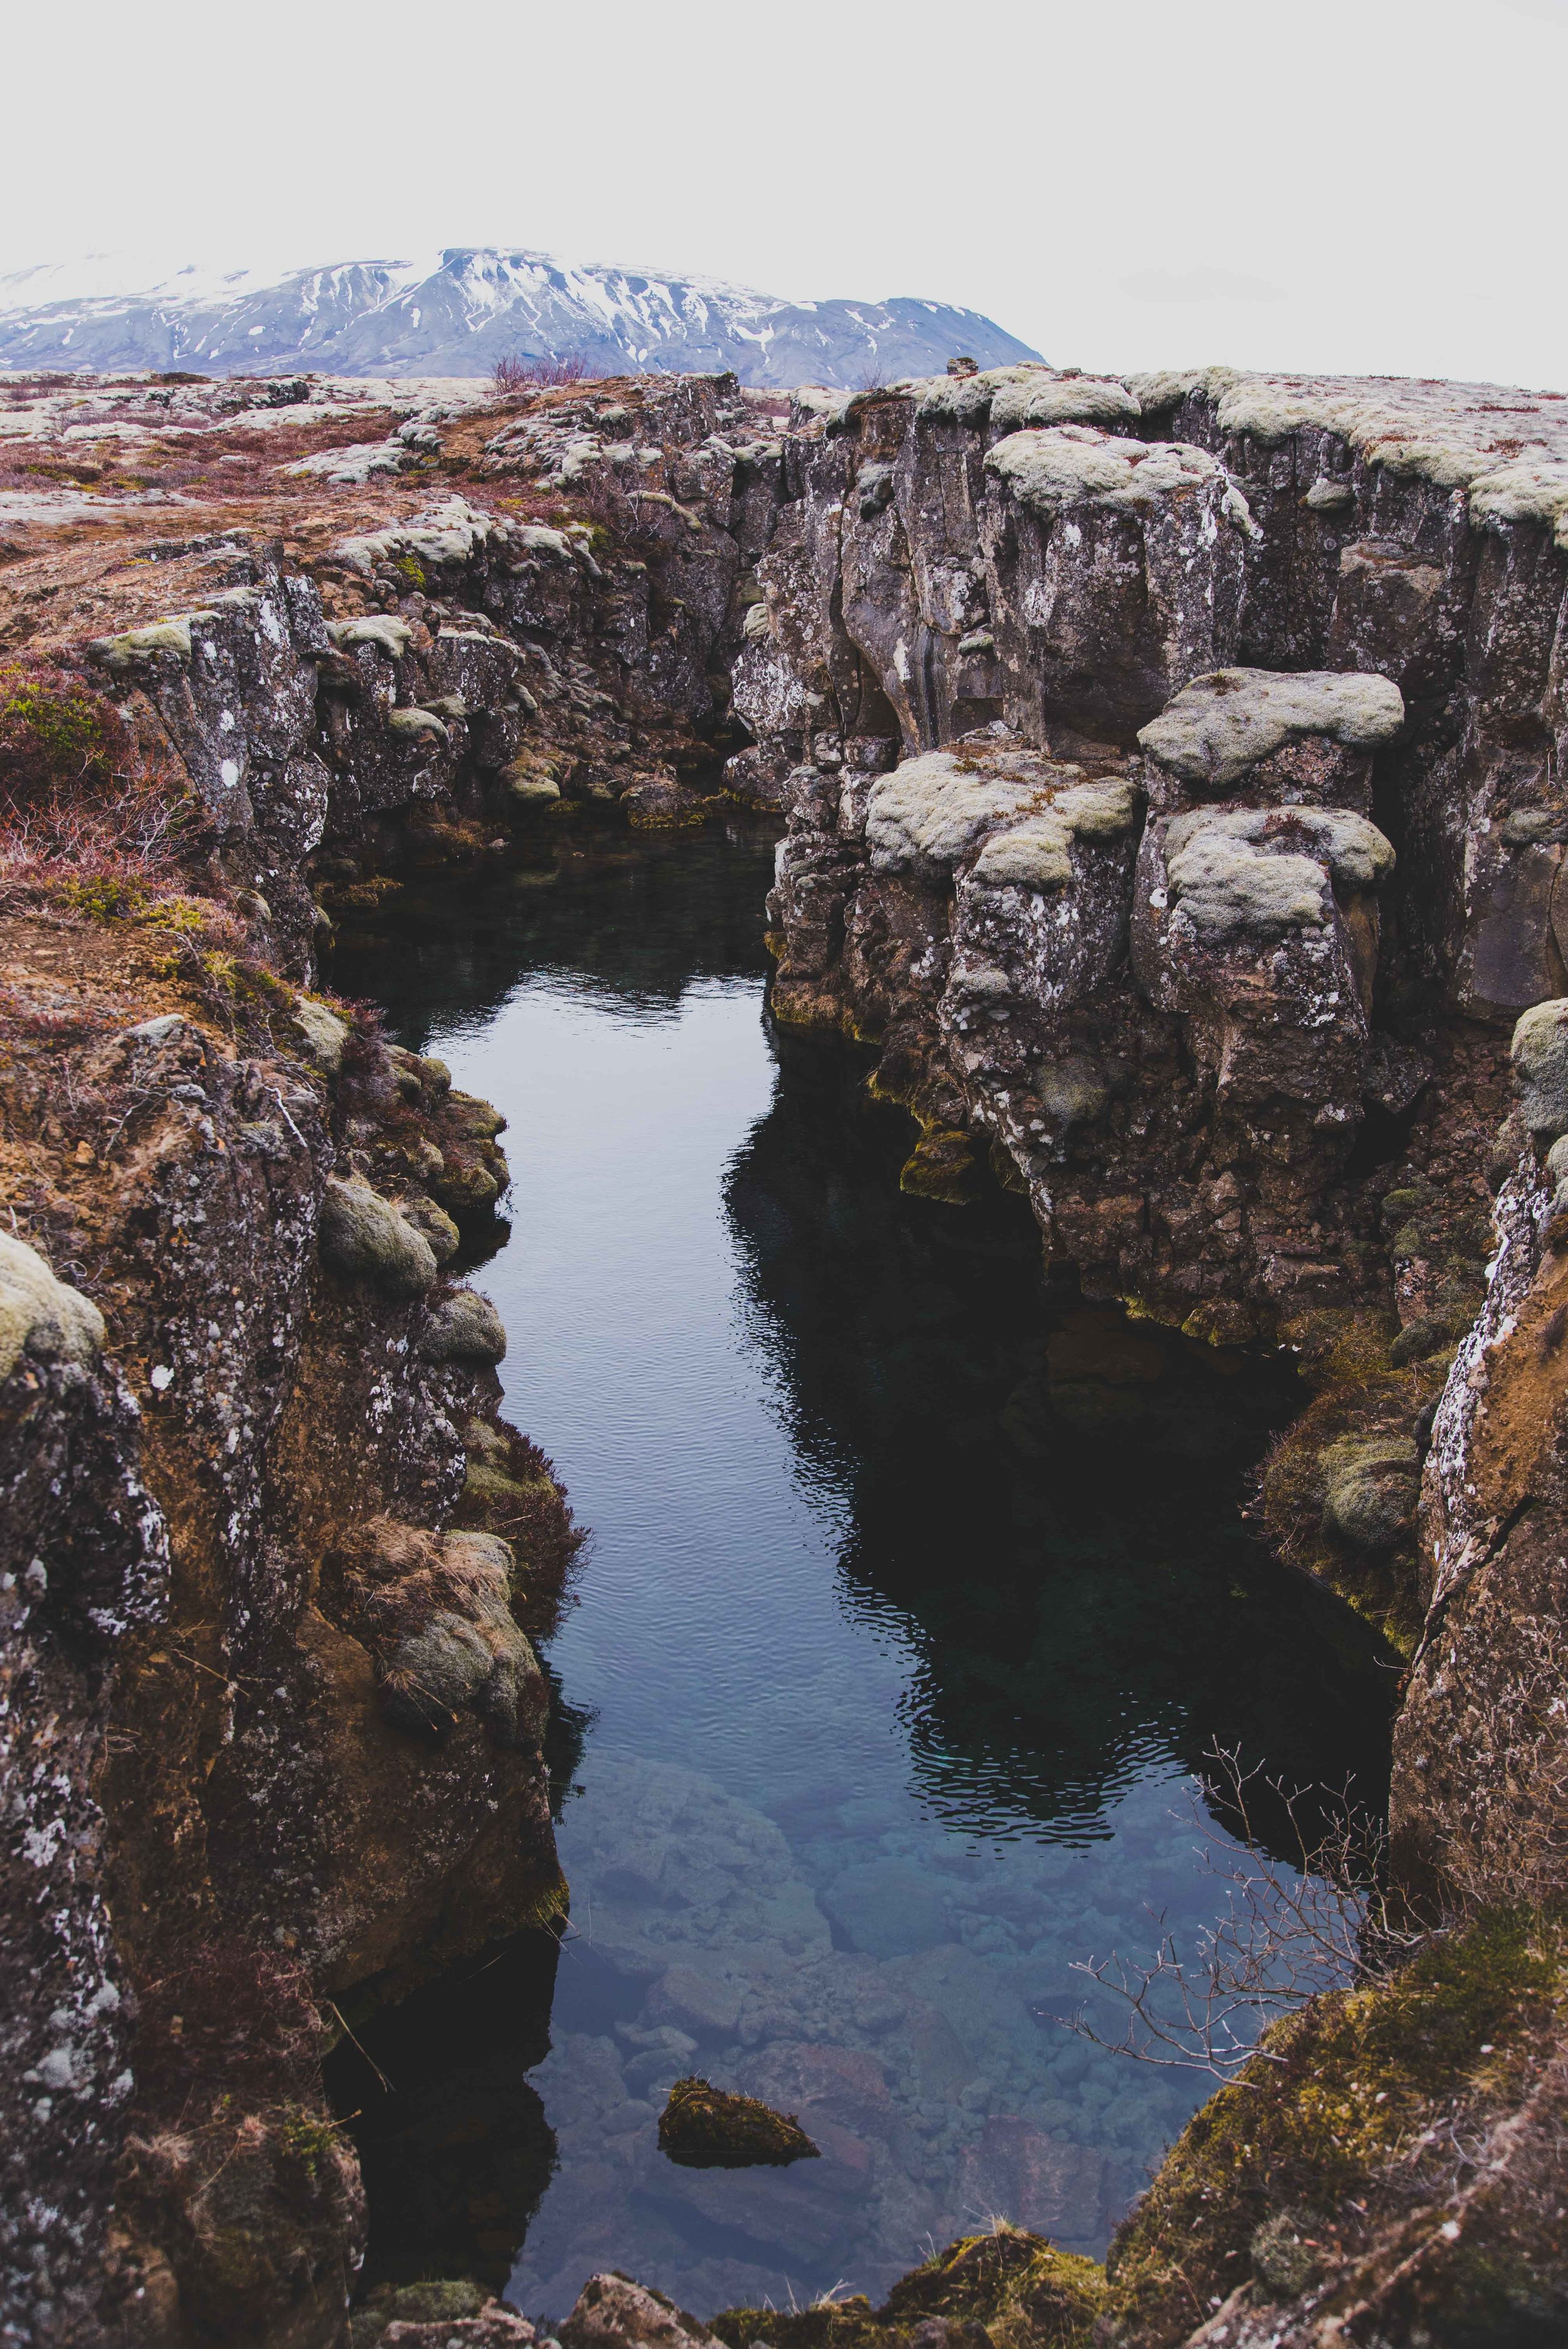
(1287, 1931)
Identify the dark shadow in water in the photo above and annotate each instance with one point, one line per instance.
(637, 919)
(1081, 1597)
(453, 2142)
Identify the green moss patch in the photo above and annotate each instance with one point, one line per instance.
(1025, 2293)
(940, 1166)
(54, 733)
(1291, 2162)
(1340, 1487)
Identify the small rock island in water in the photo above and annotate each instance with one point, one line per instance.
(708, 2127)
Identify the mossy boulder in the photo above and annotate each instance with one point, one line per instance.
(1540, 1057)
(435, 1223)
(463, 1328)
(324, 1032)
(435, 1611)
(464, 1188)
(530, 780)
(364, 1237)
(40, 1315)
(708, 2129)
(479, 1121)
(1023, 2291)
(1370, 1488)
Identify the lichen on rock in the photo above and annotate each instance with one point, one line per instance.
(1259, 873)
(1035, 854)
(40, 1315)
(1220, 725)
(932, 811)
(611, 2311)
(388, 634)
(1050, 469)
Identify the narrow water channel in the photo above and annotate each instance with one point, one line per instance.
(917, 1597)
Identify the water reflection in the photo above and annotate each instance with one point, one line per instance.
(915, 1594)
(1051, 1498)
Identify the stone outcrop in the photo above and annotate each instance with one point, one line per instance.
(1342, 844)
(273, 1723)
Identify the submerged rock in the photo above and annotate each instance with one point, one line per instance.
(710, 2128)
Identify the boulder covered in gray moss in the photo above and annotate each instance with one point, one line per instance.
(1370, 1488)
(463, 1328)
(41, 1315)
(364, 1237)
(1540, 1057)
(435, 1611)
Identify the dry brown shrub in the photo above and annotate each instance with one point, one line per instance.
(81, 813)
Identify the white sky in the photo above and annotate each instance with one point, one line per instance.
(1354, 186)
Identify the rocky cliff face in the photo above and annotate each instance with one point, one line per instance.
(1174, 775)
(1172, 772)
(1212, 821)
(274, 1730)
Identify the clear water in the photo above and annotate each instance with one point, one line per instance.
(886, 1682)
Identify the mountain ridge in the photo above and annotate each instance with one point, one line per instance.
(479, 304)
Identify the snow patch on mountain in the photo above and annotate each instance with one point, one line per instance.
(458, 314)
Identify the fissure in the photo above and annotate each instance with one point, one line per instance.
(1170, 781)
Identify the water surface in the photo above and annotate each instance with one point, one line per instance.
(917, 1594)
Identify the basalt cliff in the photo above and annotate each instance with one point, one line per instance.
(1172, 776)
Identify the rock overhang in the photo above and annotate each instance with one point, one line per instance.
(1222, 724)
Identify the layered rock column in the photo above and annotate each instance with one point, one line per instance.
(1138, 974)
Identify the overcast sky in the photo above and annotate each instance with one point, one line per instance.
(1361, 185)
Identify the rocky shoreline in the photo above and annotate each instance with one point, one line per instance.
(1172, 772)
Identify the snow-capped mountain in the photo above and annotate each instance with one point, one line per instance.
(459, 314)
